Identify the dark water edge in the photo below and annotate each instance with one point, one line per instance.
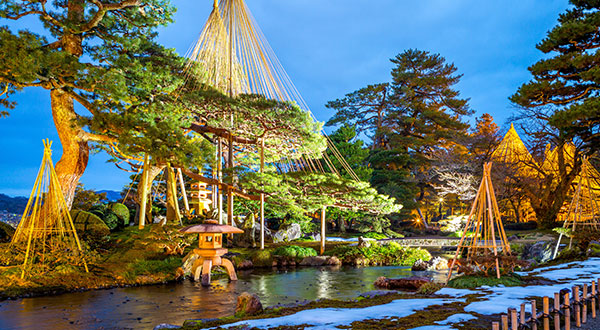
(146, 306)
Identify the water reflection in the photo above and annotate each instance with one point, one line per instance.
(144, 307)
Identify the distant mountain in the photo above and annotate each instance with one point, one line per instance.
(13, 204)
(111, 195)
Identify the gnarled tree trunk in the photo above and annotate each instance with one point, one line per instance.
(75, 147)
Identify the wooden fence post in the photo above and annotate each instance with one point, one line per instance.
(495, 326)
(504, 318)
(522, 316)
(514, 321)
(557, 311)
(593, 299)
(577, 307)
(533, 315)
(546, 311)
(567, 312)
(584, 300)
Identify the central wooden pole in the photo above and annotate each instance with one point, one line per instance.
(262, 196)
(229, 191)
(220, 178)
(144, 187)
(323, 210)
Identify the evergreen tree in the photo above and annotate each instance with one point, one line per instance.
(560, 104)
(355, 154)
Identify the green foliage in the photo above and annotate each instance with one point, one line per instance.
(460, 233)
(295, 252)
(564, 231)
(154, 267)
(430, 288)
(475, 281)
(574, 253)
(121, 212)
(86, 199)
(354, 152)
(415, 115)
(585, 236)
(391, 254)
(89, 226)
(262, 258)
(374, 235)
(104, 212)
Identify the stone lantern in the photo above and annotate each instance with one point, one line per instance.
(210, 249)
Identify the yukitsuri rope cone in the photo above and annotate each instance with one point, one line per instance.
(485, 223)
(584, 210)
(46, 227)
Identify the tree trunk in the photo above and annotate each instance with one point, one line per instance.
(76, 151)
(153, 172)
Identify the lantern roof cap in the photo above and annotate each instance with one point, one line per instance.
(211, 227)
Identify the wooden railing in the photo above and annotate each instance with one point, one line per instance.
(570, 309)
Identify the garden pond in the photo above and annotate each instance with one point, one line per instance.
(146, 306)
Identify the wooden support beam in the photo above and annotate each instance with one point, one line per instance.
(323, 211)
(230, 190)
(173, 213)
(186, 204)
(219, 180)
(262, 196)
(144, 183)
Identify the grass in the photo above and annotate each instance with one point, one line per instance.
(475, 281)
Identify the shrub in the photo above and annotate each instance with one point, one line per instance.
(530, 225)
(430, 288)
(374, 235)
(121, 211)
(6, 232)
(387, 254)
(262, 258)
(295, 252)
(584, 237)
(89, 226)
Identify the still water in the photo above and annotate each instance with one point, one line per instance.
(145, 307)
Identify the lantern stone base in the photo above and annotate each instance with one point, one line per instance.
(208, 259)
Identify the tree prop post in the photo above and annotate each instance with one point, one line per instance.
(484, 219)
(46, 225)
(584, 210)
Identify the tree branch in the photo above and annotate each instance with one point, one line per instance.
(103, 9)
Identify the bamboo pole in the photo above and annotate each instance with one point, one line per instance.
(495, 326)
(504, 319)
(144, 184)
(229, 191)
(593, 298)
(514, 321)
(220, 179)
(533, 315)
(186, 204)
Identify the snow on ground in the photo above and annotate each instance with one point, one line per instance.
(493, 300)
(328, 318)
(500, 298)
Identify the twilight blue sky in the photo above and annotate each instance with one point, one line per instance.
(329, 48)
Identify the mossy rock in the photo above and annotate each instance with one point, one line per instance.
(88, 225)
(121, 211)
(6, 232)
(262, 258)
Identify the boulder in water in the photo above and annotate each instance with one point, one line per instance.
(248, 304)
(539, 252)
(314, 261)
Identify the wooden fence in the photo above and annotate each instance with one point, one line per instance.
(570, 310)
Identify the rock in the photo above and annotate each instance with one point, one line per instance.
(197, 322)
(513, 238)
(6, 232)
(248, 304)
(245, 264)
(188, 263)
(333, 261)
(419, 266)
(314, 261)
(288, 233)
(166, 326)
(438, 263)
(409, 283)
(316, 237)
(179, 274)
(539, 252)
(363, 243)
(593, 249)
(159, 219)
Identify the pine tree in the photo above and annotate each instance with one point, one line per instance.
(89, 51)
